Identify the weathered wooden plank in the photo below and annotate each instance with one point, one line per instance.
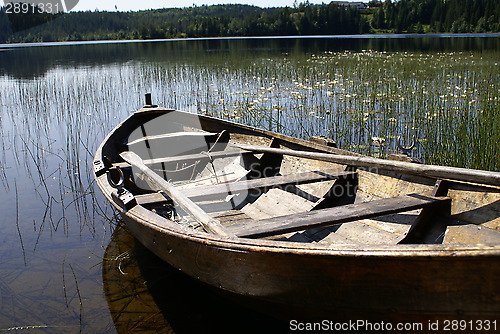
(150, 198)
(190, 157)
(427, 228)
(231, 217)
(434, 171)
(471, 234)
(321, 233)
(336, 239)
(209, 224)
(217, 171)
(277, 202)
(266, 183)
(268, 206)
(239, 186)
(292, 201)
(397, 224)
(476, 205)
(360, 233)
(171, 135)
(336, 215)
(390, 184)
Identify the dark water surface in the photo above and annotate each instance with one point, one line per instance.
(66, 267)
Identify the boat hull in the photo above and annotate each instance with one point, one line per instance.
(336, 284)
(294, 280)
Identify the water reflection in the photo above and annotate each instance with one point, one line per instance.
(145, 294)
(33, 62)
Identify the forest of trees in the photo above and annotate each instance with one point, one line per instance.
(402, 16)
(454, 16)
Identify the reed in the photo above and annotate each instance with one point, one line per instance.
(17, 224)
(80, 303)
(350, 96)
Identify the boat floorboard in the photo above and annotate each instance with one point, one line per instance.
(471, 234)
(277, 202)
(361, 233)
(231, 217)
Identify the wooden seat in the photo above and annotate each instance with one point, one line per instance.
(189, 157)
(261, 184)
(171, 135)
(265, 183)
(335, 215)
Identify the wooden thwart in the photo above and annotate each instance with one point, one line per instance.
(189, 157)
(336, 215)
(171, 135)
(261, 184)
(266, 183)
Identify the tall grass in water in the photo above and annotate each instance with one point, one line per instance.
(486, 146)
(441, 99)
(470, 136)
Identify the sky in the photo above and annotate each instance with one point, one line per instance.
(134, 5)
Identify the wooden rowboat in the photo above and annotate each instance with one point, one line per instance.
(301, 229)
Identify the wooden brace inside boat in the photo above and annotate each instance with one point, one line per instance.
(260, 184)
(336, 215)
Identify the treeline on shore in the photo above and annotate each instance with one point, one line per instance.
(403, 16)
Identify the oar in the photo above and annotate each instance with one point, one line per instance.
(210, 224)
(440, 172)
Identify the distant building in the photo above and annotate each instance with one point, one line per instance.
(374, 4)
(359, 5)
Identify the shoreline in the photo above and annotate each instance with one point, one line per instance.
(7, 46)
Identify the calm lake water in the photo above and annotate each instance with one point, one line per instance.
(67, 266)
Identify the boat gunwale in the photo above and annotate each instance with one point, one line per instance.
(163, 225)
